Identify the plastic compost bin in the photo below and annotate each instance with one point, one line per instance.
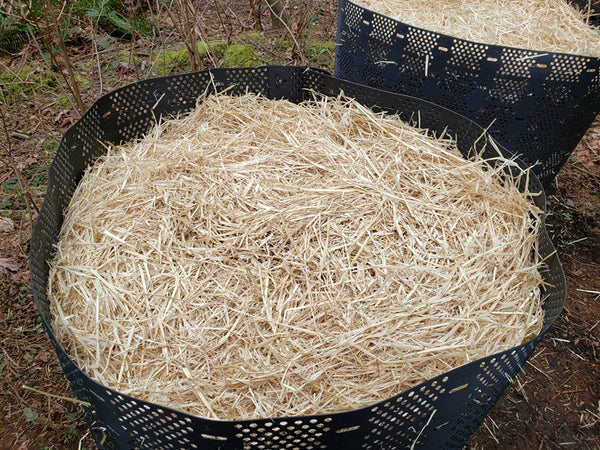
(537, 104)
(442, 412)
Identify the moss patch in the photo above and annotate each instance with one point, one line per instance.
(63, 101)
(320, 53)
(169, 61)
(16, 81)
(239, 55)
(24, 81)
(178, 60)
(82, 82)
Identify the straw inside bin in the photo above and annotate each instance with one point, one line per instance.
(258, 258)
(543, 25)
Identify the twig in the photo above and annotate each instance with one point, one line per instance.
(52, 22)
(298, 49)
(61, 397)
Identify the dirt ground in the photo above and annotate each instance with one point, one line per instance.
(554, 403)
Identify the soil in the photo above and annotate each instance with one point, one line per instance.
(554, 402)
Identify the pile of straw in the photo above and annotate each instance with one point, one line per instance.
(543, 25)
(259, 258)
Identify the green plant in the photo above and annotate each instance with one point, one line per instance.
(73, 431)
(30, 415)
(113, 17)
(320, 52)
(37, 178)
(49, 144)
(105, 12)
(9, 186)
(40, 326)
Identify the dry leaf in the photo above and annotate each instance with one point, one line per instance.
(7, 225)
(9, 264)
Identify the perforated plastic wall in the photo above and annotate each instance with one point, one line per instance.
(440, 413)
(539, 104)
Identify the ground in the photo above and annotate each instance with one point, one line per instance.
(553, 403)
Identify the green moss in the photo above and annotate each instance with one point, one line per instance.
(124, 57)
(239, 55)
(320, 53)
(24, 81)
(63, 101)
(86, 66)
(218, 48)
(256, 40)
(202, 50)
(82, 82)
(168, 60)
(252, 35)
(48, 79)
(177, 60)
(15, 82)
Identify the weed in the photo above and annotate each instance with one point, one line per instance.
(49, 144)
(37, 179)
(40, 326)
(320, 52)
(74, 432)
(9, 186)
(113, 17)
(31, 416)
(23, 294)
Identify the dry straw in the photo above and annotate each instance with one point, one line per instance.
(543, 25)
(259, 258)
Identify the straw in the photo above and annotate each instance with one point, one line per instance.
(259, 258)
(540, 25)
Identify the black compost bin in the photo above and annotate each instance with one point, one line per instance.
(440, 413)
(539, 104)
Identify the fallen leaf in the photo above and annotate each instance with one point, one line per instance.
(43, 357)
(10, 264)
(64, 118)
(125, 68)
(66, 121)
(6, 225)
